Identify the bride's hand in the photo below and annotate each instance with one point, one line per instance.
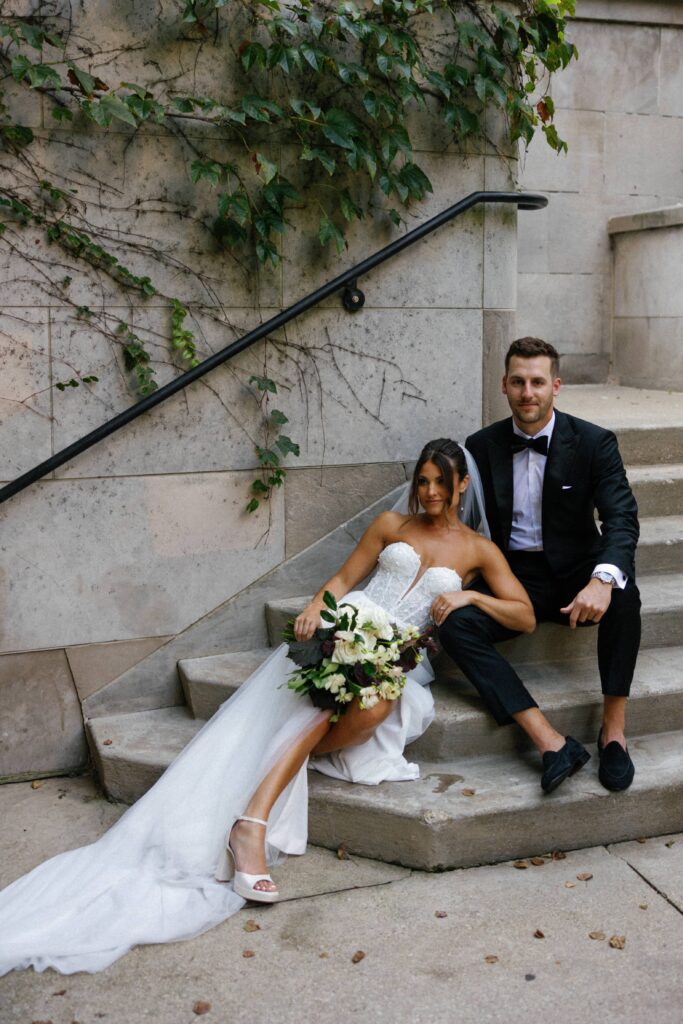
(447, 602)
(306, 624)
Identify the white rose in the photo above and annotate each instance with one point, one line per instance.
(335, 682)
(346, 652)
(378, 622)
(369, 697)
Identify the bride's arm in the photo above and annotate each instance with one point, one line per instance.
(509, 602)
(360, 562)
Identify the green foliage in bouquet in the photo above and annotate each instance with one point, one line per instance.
(360, 654)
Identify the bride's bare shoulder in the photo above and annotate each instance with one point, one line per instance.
(391, 522)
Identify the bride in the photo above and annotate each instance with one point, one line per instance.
(235, 799)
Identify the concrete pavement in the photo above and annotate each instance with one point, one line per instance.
(494, 943)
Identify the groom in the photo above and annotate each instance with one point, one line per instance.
(543, 472)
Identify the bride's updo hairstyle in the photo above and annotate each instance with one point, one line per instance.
(449, 457)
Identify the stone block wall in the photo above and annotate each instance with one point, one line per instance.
(620, 108)
(648, 299)
(146, 532)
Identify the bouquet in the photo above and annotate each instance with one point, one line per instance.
(361, 653)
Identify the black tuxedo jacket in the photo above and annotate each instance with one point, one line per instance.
(584, 472)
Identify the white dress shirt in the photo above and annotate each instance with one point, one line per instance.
(528, 471)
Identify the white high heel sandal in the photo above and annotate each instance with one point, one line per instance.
(243, 884)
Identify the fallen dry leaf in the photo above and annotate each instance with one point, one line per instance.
(558, 855)
(248, 953)
(538, 934)
(670, 843)
(520, 864)
(643, 906)
(491, 959)
(440, 913)
(201, 1007)
(252, 926)
(41, 1022)
(530, 977)
(537, 861)
(584, 876)
(570, 885)
(468, 792)
(342, 854)
(599, 936)
(324, 956)
(641, 840)
(36, 784)
(617, 941)
(62, 992)
(358, 956)
(107, 743)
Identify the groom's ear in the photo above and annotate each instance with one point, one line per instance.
(557, 384)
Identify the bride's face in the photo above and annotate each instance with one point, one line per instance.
(433, 491)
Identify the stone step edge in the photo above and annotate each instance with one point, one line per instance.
(405, 829)
(448, 683)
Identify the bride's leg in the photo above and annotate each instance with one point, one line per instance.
(354, 727)
(247, 839)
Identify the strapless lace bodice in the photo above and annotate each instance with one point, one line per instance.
(399, 588)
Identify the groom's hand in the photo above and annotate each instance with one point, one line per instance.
(590, 604)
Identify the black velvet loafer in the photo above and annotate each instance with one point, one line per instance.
(616, 769)
(560, 764)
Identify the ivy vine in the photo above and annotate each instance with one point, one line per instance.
(338, 84)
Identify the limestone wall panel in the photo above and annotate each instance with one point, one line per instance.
(444, 269)
(624, 65)
(25, 397)
(111, 559)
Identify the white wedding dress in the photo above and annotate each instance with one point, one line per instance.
(150, 878)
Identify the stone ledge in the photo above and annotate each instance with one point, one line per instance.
(644, 13)
(666, 217)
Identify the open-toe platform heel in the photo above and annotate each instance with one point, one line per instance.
(242, 883)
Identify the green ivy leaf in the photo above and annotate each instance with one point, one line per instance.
(392, 140)
(116, 107)
(324, 158)
(263, 383)
(278, 417)
(20, 65)
(329, 232)
(253, 53)
(62, 114)
(19, 135)
(253, 505)
(265, 168)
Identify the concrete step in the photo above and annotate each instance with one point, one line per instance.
(432, 824)
(130, 752)
(207, 682)
(568, 691)
(648, 424)
(662, 597)
(658, 489)
(660, 548)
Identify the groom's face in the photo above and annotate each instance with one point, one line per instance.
(530, 389)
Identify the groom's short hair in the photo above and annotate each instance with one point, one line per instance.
(527, 348)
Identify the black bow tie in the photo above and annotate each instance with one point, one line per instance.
(521, 444)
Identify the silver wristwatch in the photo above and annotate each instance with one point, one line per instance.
(604, 577)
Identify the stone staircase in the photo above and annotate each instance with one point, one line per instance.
(478, 798)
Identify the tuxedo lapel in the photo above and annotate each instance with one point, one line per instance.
(500, 455)
(561, 455)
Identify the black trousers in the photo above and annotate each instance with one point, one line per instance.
(468, 635)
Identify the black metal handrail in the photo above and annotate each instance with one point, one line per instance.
(353, 301)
